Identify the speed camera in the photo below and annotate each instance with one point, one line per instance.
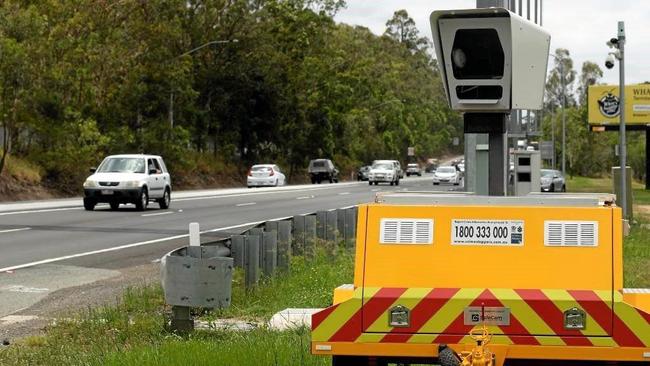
(491, 60)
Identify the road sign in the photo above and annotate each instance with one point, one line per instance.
(455, 141)
(604, 106)
(411, 151)
(546, 150)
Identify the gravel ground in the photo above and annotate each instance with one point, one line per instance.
(67, 301)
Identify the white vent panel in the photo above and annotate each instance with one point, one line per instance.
(571, 233)
(406, 231)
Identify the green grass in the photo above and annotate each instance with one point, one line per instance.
(636, 256)
(604, 185)
(260, 347)
(133, 332)
(309, 284)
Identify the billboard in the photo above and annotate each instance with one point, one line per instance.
(604, 109)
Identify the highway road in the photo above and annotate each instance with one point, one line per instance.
(43, 235)
(56, 244)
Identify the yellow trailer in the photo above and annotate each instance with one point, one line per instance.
(545, 274)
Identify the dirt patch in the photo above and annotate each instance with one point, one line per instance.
(642, 210)
(13, 189)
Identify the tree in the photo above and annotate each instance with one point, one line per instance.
(590, 75)
(401, 27)
(555, 89)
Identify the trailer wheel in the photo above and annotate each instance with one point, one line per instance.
(447, 356)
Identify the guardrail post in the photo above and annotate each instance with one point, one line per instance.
(310, 235)
(321, 224)
(299, 234)
(258, 231)
(284, 244)
(340, 223)
(182, 321)
(350, 226)
(252, 270)
(270, 252)
(238, 250)
(330, 226)
(271, 226)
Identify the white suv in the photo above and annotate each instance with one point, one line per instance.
(383, 171)
(135, 179)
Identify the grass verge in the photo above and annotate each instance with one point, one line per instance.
(132, 333)
(636, 256)
(604, 185)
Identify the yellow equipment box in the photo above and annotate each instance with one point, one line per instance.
(544, 273)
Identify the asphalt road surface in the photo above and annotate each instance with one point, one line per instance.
(51, 245)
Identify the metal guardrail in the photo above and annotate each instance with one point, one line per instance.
(200, 275)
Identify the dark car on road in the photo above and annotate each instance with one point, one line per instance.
(552, 181)
(323, 170)
(362, 173)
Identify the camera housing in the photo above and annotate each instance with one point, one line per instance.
(610, 61)
(491, 60)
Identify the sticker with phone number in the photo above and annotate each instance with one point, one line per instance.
(487, 232)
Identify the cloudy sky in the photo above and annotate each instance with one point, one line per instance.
(581, 26)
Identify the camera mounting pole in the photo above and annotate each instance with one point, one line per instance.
(494, 125)
(621, 104)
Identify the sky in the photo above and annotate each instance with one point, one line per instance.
(581, 26)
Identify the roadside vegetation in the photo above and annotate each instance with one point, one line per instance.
(133, 332)
(214, 86)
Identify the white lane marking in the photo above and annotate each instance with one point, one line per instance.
(246, 204)
(14, 319)
(344, 193)
(25, 289)
(127, 246)
(304, 197)
(158, 214)
(48, 210)
(375, 190)
(39, 211)
(252, 194)
(14, 230)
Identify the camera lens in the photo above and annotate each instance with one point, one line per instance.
(459, 58)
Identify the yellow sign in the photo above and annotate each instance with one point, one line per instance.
(604, 106)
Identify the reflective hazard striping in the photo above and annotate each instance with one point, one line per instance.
(437, 316)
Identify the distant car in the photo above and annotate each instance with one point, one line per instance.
(552, 181)
(323, 170)
(383, 171)
(135, 179)
(446, 175)
(362, 173)
(413, 169)
(431, 167)
(262, 175)
(398, 166)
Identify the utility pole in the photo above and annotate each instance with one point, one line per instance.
(621, 106)
(560, 61)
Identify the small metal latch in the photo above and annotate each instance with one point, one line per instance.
(575, 318)
(399, 316)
